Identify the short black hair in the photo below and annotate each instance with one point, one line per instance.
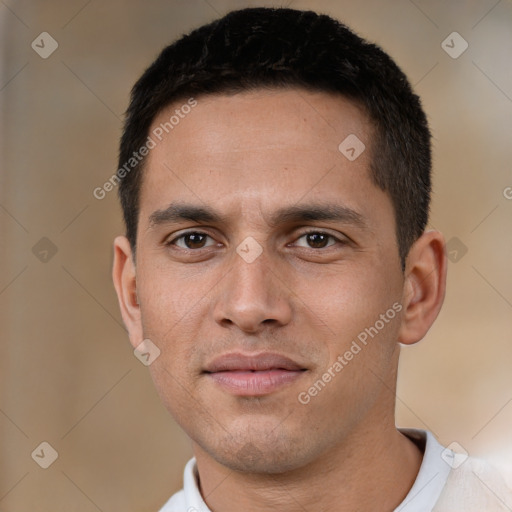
(256, 48)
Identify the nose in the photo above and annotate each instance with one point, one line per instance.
(253, 295)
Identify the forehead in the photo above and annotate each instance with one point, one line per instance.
(304, 120)
(263, 146)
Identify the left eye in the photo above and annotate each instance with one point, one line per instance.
(317, 239)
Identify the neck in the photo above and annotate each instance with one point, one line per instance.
(371, 469)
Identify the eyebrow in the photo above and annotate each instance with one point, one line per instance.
(178, 212)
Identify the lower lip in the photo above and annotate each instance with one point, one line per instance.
(256, 383)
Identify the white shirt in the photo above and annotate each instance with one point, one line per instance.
(446, 482)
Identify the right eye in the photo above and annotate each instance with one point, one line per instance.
(191, 240)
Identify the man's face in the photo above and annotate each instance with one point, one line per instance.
(252, 282)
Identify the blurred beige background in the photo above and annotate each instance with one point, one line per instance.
(68, 375)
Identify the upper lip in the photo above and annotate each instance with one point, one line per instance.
(236, 361)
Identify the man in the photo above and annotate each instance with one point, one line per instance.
(275, 188)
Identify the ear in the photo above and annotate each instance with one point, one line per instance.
(424, 287)
(124, 277)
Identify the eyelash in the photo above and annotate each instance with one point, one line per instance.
(310, 232)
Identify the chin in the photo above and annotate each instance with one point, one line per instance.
(250, 459)
(265, 452)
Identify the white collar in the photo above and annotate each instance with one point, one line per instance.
(432, 475)
(423, 495)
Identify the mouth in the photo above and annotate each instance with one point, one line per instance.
(253, 375)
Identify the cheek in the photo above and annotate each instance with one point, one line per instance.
(347, 301)
(172, 316)
(359, 312)
(173, 388)
(167, 301)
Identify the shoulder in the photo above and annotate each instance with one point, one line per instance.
(475, 486)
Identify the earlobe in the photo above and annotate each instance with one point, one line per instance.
(424, 287)
(125, 283)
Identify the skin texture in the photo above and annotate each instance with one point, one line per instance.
(246, 156)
